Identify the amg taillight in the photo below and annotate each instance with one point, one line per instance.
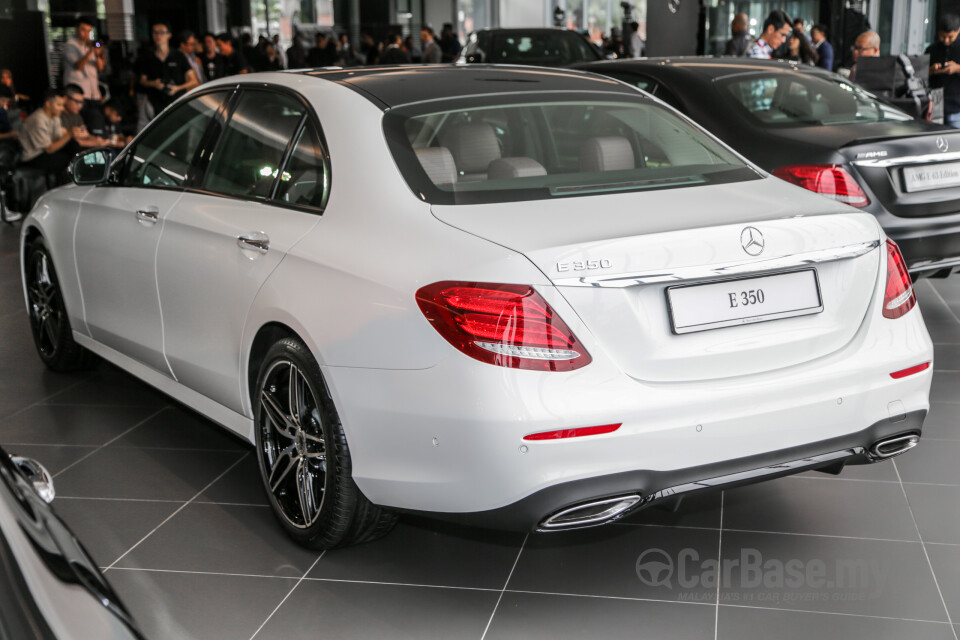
(830, 180)
(508, 325)
(899, 296)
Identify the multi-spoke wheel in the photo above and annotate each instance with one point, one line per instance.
(303, 455)
(48, 315)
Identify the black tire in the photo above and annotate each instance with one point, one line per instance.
(49, 323)
(304, 458)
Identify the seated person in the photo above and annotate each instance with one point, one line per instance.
(114, 131)
(71, 120)
(8, 135)
(46, 144)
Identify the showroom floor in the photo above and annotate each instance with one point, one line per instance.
(170, 505)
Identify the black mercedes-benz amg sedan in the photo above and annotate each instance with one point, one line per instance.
(817, 130)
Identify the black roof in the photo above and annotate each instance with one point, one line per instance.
(717, 67)
(391, 86)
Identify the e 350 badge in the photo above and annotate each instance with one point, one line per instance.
(584, 265)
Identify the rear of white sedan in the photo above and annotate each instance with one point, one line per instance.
(507, 296)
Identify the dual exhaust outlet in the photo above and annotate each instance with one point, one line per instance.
(605, 510)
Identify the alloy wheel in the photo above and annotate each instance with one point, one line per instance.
(46, 304)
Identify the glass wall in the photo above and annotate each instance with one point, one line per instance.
(720, 14)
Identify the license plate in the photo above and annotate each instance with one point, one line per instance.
(729, 303)
(931, 176)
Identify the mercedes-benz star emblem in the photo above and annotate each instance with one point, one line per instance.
(752, 241)
(942, 144)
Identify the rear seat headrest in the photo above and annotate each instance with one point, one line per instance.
(606, 153)
(519, 167)
(439, 165)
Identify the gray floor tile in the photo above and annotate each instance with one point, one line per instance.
(937, 510)
(696, 511)
(45, 424)
(108, 528)
(352, 611)
(146, 474)
(947, 356)
(942, 421)
(741, 623)
(54, 457)
(177, 427)
(944, 387)
(821, 506)
(945, 331)
(620, 561)
(946, 566)
(931, 461)
(531, 616)
(109, 385)
(240, 485)
(838, 575)
(427, 553)
(222, 539)
(198, 607)
(30, 382)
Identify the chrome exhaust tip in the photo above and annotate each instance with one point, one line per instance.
(591, 513)
(894, 446)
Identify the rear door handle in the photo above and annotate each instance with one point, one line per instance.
(254, 241)
(148, 215)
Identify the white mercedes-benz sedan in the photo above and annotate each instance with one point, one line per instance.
(509, 296)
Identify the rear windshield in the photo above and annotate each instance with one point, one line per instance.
(546, 49)
(485, 150)
(795, 100)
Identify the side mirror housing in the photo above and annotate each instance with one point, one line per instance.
(92, 166)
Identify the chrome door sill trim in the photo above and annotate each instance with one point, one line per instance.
(701, 272)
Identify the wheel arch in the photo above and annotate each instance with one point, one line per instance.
(266, 337)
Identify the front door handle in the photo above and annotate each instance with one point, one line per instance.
(255, 241)
(148, 215)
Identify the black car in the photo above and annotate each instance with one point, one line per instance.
(817, 130)
(50, 588)
(544, 47)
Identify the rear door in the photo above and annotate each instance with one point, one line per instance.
(120, 226)
(262, 191)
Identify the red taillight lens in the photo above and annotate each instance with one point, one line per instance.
(577, 432)
(909, 371)
(899, 296)
(504, 324)
(830, 180)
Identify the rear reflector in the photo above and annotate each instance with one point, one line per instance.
(899, 296)
(573, 433)
(903, 373)
(509, 325)
(830, 180)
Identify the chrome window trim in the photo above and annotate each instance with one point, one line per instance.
(701, 272)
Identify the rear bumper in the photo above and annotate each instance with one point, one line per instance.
(654, 487)
(929, 250)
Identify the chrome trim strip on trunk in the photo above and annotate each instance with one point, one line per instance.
(702, 272)
(929, 158)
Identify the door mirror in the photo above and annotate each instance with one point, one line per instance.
(92, 167)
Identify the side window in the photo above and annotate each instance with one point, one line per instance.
(247, 159)
(304, 179)
(162, 156)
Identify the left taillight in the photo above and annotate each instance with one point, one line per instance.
(503, 324)
(899, 296)
(830, 180)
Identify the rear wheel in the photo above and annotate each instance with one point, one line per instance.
(48, 316)
(304, 458)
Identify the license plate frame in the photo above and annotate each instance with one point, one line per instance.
(673, 298)
(914, 181)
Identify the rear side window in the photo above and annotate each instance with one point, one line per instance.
(796, 100)
(304, 180)
(246, 161)
(482, 150)
(164, 153)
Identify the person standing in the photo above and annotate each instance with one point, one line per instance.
(297, 53)
(945, 67)
(188, 47)
(818, 35)
(776, 30)
(449, 44)
(867, 45)
(636, 42)
(393, 53)
(431, 50)
(233, 62)
(164, 72)
(83, 61)
(737, 45)
(211, 60)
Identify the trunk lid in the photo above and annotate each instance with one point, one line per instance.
(614, 265)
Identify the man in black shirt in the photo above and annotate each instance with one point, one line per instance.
(165, 72)
(324, 54)
(233, 61)
(210, 60)
(945, 67)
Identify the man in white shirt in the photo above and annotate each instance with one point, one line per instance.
(636, 42)
(83, 60)
(776, 30)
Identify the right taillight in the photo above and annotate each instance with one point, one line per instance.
(899, 296)
(503, 324)
(830, 180)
